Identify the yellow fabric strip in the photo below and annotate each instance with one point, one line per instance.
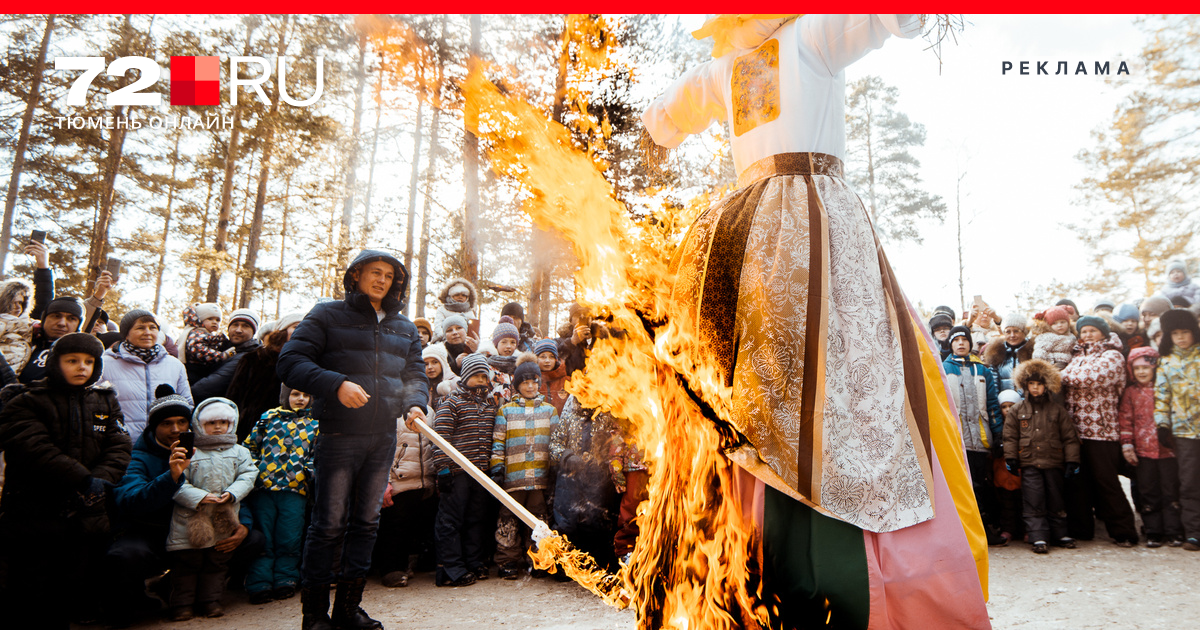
(944, 434)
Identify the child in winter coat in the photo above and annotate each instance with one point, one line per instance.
(16, 329)
(1054, 341)
(458, 297)
(1177, 411)
(976, 397)
(466, 419)
(1129, 328)
(504, 363)
(201, 342)
(281, 444)
(520, 461)
(1179, 284)
(1008, 484)
(410, 499)
(66, 447)
(220, 476)
(442, 380)
(630, 477)
(554, 373)
(1040, 441)
(1157, 472)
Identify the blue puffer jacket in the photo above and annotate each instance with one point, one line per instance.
(344, 340)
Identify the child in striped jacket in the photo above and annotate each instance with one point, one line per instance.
(520, 461)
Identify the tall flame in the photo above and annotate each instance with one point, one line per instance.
(694, 562)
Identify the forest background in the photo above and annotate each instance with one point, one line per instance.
(264, 212)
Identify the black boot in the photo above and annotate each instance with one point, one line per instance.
(346, 613)
(314, 602)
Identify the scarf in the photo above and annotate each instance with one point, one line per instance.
(215, 442)
(508, 364)
(1010, 352)
(145, 354)
(457, 307)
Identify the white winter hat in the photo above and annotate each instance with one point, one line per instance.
(1009, 396)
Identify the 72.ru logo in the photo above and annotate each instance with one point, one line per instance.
(194, 80)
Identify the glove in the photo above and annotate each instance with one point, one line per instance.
(1012, 465)
(497, 474)
(93, 491)
(1130, 454)
(445, 481)
(1166, 437)
(1072, 470)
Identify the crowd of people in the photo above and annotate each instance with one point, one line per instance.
(283, 456)
(148, 467)
(1055, 406)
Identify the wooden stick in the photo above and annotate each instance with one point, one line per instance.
(471, 469)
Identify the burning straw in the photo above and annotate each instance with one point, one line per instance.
(694, 564)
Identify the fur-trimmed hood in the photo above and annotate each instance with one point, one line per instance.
(8, 296)
(472, 293)
(1038, 370)
(996, 350)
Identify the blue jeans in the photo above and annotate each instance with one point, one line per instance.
(350, 473)
(279, 515)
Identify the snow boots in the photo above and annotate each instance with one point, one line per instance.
(347, 615)
(314, 602)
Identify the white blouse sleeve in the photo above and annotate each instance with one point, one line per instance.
(689, 106)
(840, 40)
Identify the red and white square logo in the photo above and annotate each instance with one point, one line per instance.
(195, 80)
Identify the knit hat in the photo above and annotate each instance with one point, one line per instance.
(458, 289)
(454, 320)
(514, 309)
(944, 309)
(216, 408)
(1010, 396)
(527, 369)
(1053, 314)
(1156, 305)
(1092, 320)
(1178, 301)
(958, 331)
(68, 305)
(423, 324)
(167, 404)
(205, 310)
(1177, 265)
(245, 315)
(473, 364)
(1104, 304)
(1066, 302)
(1125, 312)
(1145, 355)
(1015, 320)
(506, 329)
(546, 345)
(1154, 328)
(77, 342)
(295, 317)
(131, 318)
(940, 319)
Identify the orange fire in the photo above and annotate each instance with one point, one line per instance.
(694, 565)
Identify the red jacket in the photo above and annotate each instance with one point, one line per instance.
(1136, 419)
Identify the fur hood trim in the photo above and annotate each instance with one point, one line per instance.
(1038, 370)
(472, 293)
(8, 296)
(994, 352)
(526, 357)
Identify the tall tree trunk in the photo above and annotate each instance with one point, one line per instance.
(162, 249)
(231, 158)
(98, 250)
(374, 147)
(287, 197)
(540, 278)
(412, 191)
(469, 265)
(210, 179)
(352, 162)
(430, 175)
(18, 164)
(260, 198)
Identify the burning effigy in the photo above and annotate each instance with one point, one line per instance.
(805, 462)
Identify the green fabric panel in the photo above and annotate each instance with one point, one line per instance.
(809, 558)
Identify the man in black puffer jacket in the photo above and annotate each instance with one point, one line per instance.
(66, 446)
(361, 361)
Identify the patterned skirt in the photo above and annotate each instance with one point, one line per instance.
(796, 305)
(846, 433)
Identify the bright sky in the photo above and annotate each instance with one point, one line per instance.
(1016, 138)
